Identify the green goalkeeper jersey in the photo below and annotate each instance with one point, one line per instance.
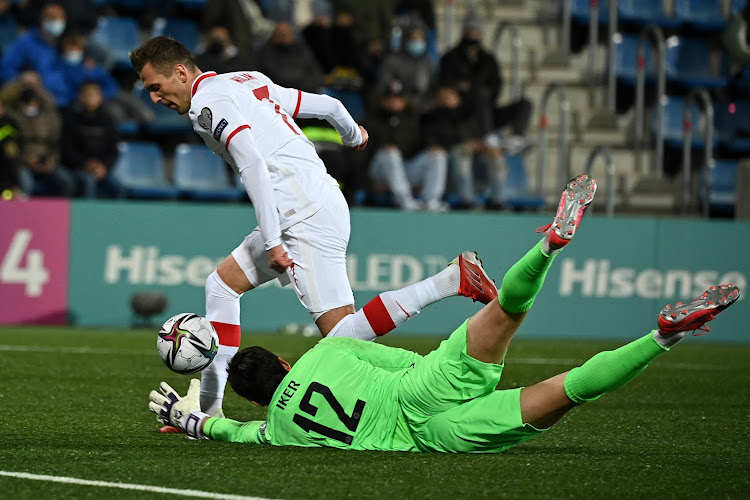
(343, 393)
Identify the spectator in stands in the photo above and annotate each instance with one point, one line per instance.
(244, 20)
(221, 54)
(413, 68)
(473, 162)
(333, 45)
(89, 144)
(370, 22)
(39, 123)
(37, 50)
(12, 184)
(398, 162)
(477, 75)
(80, 68)
(81, 15)
(288, 62)
(423, 9)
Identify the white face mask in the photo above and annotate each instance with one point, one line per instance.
(74, 57)
(31, 111)
(53, 27)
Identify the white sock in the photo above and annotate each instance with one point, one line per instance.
(668, 341)
(390, 309)
(223, 311)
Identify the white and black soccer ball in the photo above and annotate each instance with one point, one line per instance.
(187, 343)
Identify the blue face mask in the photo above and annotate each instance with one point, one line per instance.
(74, 57)
(416, 48)
(53, 27)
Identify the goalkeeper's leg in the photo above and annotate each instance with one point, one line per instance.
(543, 404)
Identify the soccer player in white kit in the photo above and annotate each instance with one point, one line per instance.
(303, 218)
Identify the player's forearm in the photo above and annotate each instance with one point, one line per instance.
(327, 108)
(224, 429)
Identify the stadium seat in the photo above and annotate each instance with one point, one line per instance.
(117, 36)
(700, 15)
(732, 122)
(626, 57)
(689, 64)
(199, 174)
(736, 6)
(166, 121)
(351, 99)
(185, 31)
(140, 170)
(643, 12)
(580, 11)
(517, 193)
(723, 195)
(674, 126)
(8, 30)
(192, 5)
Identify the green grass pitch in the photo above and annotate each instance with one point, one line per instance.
(73, 403)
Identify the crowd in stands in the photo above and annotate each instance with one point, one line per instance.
(435, 131)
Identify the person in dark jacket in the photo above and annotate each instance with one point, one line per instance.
(89, 144)
(12, 182)
(475, 165)
(477, 76)
(399, 161)
(288, 62)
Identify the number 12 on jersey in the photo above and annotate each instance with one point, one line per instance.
(350, 421)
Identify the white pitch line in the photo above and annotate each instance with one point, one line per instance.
(128, 486)
(69, 350)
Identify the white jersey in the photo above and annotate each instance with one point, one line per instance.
(249, 121)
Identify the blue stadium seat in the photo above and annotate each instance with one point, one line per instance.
(700, 15)
(140, 170)
(351, 99)
(732, 123)
(580, 11)
(166, 121)
(643, 12)
(117, 36)
(8, 30)
(185, 31)
(674, 125)
(736, 6)
(517, 193)
(199, 174)
(723, 195)
(689, 64)
(626, 58)
(192, 5)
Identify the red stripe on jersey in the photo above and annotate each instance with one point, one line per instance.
(229, 335)
(283, 117)
(299, 101)
(241, 127)
(199, 80)
(378, 317)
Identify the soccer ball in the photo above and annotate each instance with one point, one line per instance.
(187, 343)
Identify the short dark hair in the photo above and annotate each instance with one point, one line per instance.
(255, 373)
(163, 53)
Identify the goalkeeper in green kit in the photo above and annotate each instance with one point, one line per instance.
(352, 394)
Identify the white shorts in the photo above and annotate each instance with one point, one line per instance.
(317, 245)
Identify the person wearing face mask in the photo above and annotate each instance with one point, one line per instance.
(413, 68)
(79, 68)
(479, 79)
(220, 53)
(39, 129)
(37, 50)
(289, 62)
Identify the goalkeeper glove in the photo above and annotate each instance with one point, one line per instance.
(182, 412)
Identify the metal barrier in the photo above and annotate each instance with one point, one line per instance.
(657, 40)
(560, 55)
(515, 54)
(606, 116)
(604, 152)
(562, 165)
(708, 149)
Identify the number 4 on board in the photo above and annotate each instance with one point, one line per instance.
(33, 275)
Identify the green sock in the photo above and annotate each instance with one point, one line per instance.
(524, 280)
(610, 370)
